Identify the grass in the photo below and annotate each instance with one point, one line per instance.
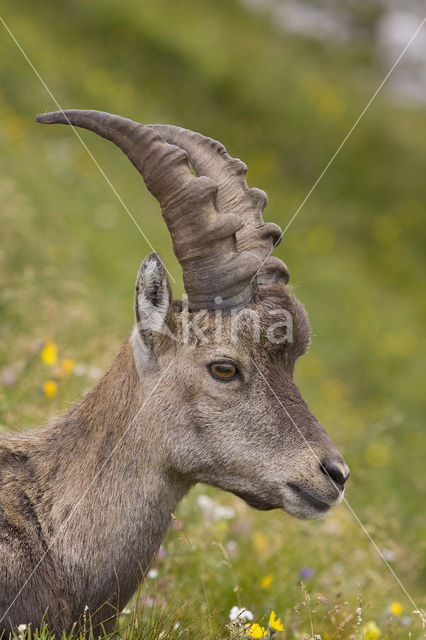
(70, 254)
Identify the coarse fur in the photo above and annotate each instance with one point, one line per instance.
(86, 501)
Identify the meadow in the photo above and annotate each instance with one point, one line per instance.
(70, 253)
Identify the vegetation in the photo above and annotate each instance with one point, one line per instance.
(70, 254)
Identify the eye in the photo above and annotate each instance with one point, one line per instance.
(224, 371)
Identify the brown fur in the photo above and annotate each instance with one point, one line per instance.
(86, 501)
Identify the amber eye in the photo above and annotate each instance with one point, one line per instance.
(223, 370)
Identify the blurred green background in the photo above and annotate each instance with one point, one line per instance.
(283, 102)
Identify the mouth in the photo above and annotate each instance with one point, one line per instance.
(316, 507)
(257, 503)
(300, 502)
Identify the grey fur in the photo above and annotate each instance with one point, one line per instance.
(192, 428)
(86, 501)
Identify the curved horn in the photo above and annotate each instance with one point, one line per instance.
(210, 158)
(215, 273)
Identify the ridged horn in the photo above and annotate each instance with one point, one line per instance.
(216, 273)
(210, 158)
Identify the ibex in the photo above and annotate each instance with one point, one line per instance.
(86, 501)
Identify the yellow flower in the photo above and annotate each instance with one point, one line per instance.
(396, 608)
(275, 623)
(67, 366)
(49, 353)
(256, 631)
(50, 388)
(372, 631)
(266, 581)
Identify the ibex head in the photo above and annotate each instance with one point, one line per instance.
(229, 413)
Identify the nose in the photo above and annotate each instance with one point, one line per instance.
(336, 471)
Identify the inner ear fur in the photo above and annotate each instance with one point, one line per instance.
(153, 301)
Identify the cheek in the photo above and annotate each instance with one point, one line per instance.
(224, 401)
(229, 414)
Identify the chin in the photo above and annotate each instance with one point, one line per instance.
(302, 504)
(295, 500)
(302, 512)
(259, 502)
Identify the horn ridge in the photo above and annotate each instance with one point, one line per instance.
(213, 217)
(209, 157)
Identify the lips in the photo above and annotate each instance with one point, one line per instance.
(256, 502)
(319, 505)
(305, 504)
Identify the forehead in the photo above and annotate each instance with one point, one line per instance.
(283, 318)
(276, 321)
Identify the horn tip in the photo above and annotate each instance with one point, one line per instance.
(51, 117)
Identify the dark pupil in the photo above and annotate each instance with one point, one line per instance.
(223, 368)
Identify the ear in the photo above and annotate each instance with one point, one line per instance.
(153, 297)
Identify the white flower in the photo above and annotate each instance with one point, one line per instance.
(237, 614)
(152, 573)
(231, 547)
(86, 370)
(224, 513)
(213, 510)
(21, 630)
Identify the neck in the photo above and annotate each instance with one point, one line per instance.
(113, 493)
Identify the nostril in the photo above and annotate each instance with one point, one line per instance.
(338, 473)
